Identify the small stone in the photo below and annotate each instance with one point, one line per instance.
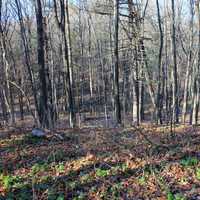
(38, 132)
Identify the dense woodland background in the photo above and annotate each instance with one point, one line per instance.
(121, 62)
(99, 99)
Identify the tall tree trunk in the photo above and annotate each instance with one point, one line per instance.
(5, 76)
(189, 63)
(175, 74)
(89, 62)
(165, 70)
(64, 25)
(136, 92)
(43, 107)
(70, 67)
(196, 95)
(26, 43)
(159, 92)
(116, 64)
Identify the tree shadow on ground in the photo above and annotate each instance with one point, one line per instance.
(110, 143)
(71, 185)
(65, 184)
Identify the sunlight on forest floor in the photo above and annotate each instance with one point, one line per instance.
(100, 164)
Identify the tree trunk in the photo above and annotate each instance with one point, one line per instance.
(43, 106)
(196, 95)
(26, 43)
(159, 103)
(189, 63)
(175, 76)
(64, 25)
(116, 64)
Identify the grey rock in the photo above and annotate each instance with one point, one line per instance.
(38, 132)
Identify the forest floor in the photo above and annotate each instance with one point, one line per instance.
(101, 164)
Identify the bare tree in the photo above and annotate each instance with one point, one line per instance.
(64, 26)
(44, 104)
(175, 74)
(189, 62)
(116, 63)
(159, 92)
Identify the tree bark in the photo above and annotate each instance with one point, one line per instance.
(175, 74)
(43, 96)
(189, 63)
(116, 63)
(159, 103)
(64, 26)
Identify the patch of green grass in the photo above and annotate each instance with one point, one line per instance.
(171, 196)
(198, 173)
(36, 168)
(86, 178)
(179, 197)
(6, 181)
(189, 161)
(60, 168)
(124, 167)
(10, 181)
(118, 168)
(61, 197)
(102, 172)
(142, 180)
(16, 187)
